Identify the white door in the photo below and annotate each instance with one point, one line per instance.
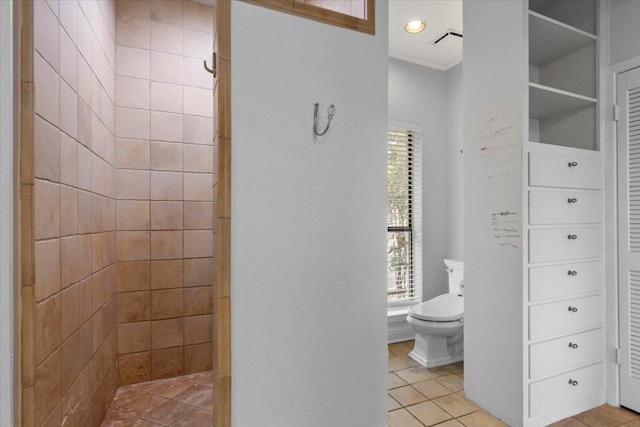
(629, 239)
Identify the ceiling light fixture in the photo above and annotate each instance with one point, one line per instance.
(414, 27)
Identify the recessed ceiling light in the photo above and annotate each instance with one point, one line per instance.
(414, 27)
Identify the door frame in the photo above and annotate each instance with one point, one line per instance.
(608, 132)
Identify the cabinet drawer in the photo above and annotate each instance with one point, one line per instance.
(558, 281)
(558, 244)
(557, 393)
(563, 354)
(551, 170)
(565, 207)
(564, 317)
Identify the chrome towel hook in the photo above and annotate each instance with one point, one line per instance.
(331, 111)
(214, 68)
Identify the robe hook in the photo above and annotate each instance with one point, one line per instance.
(331, 111)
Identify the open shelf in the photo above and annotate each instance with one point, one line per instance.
(550, 39)
(545, 101)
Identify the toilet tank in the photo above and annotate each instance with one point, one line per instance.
(455, 267)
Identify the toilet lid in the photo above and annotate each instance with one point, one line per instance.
(443, 308)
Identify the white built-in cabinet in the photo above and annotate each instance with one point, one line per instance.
(546, 326)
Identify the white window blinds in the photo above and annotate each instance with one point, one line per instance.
(404, 215)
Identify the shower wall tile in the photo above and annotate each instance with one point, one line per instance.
(165, 157)
(46, 150)
(132, 92)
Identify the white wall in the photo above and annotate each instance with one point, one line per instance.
(6, 216)
(419, 95)
(455, 182)
(308, 238)
(624, 30)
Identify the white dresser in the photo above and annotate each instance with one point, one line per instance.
(565, 281)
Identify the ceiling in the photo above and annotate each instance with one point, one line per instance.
(440, 16)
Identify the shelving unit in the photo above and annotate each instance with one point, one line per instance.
(548, 281)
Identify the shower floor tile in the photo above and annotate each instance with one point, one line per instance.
(176, 402)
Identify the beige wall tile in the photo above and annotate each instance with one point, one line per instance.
(195, 74)
(132, 93)
(45, 35)
(198, 358)
(198, 243)
(166, 215)
(167, 97)
(133, 245)
(132, 215)
(68, 60)
(68, 210)
(198, 329)
(75, 307)
(133, 306)
(77, 399)
(167, 11)
(166, 244)
(134, 368)
(198, 102)
(167, 333)
(138, 8)
(68, 110)
(198, 301)
(132, 154)
(133, 337)
(133, 62)
(132, 123)
(198, 187)
(167, 363)
(133, 276)
(166, 126)
(166, 68)
(46, 209)
(167, 274)
(198, 215)
(68, 161)
(198, 158)
(198, 130)
(69, 260)
(132, 184)
(166, 185)
(166, 303)
(69, 18)
(198, 44)
(46, 150)
(46, 329)
(84, 256)
(198, 16)
(198, 272)
(75, 352)
(166, 37)
(47, 387)
(84, 79)
(84, 212)
(133, 31)
(166, 156)
(85, 123)
(47, 91)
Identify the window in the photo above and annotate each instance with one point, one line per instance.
(404, 219)
(358, 15)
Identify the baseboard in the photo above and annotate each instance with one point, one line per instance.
(398, 329)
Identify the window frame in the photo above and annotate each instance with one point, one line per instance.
(415, 209)
(327, 16)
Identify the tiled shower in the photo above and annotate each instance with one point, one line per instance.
(124, 184)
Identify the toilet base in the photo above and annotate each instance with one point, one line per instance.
(434, 362)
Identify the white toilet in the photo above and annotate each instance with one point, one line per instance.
(438, 323)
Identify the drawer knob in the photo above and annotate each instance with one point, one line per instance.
(573, 164)
(573, 383)
(573, 345)
(572, 237)
(573, 309)
(572, 273)
(572, 200)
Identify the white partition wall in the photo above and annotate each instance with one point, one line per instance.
(6, 215)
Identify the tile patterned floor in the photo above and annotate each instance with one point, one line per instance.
(435, 397)
(185, 401)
